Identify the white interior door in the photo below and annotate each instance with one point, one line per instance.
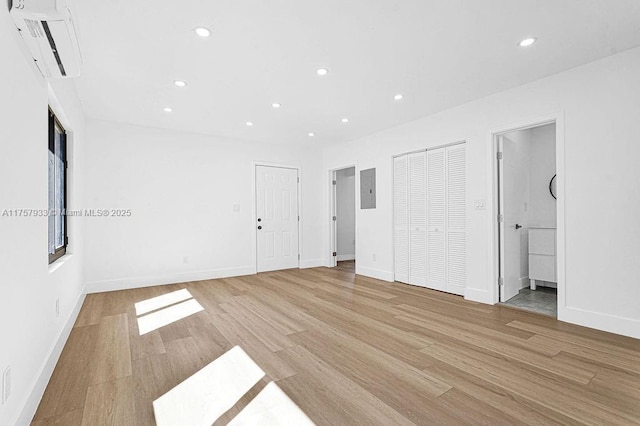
(436, 219)
(277, 218)
(334, 217)
(511, 198)
(401, 218)
(456, 219)
(418, 219)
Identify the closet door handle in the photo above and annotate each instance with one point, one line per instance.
(518, 226)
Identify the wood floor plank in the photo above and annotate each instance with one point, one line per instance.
(397, 384)
(67, 388)
(475, 412)
(239, 335)
(70, 418)
(91, 310)
(113, 353)
(357, 405)
(347, 349)
(152, 377)
(357, 358)
(613, 359)
(514, 352)
(632, 357)
(279, 320)
(510, 406)
(538, 390)
(260, 328)
(185, 358)
(111, 403)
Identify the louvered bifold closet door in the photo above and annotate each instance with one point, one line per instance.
(418, 218)
(436, 219)
(456, 220)
(401, 218)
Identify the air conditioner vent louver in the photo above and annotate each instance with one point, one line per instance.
(34, 28)
(48, 29)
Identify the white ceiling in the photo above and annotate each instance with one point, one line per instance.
(438, 53)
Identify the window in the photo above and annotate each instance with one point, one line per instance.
(57, 189)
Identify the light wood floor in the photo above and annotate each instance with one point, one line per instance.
(348, 350)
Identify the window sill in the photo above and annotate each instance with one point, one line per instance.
(59, 262)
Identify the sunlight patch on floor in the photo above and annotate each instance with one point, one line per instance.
(271, 407)
(163, 301)
(209, 393)
(167, 316)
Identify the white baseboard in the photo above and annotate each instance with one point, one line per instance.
(313, 263)
(374, 273)
(477, 295)
(611, 323)
(343, 257)
(150, 281)
(35, 396)
(524, 282)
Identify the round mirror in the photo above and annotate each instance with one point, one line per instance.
(552, 187)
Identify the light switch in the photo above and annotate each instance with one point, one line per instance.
(236, 207)
(479, 204)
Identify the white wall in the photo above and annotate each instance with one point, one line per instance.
(542, 211)
(598, 109)
(31, 335)
(346, 213)
(181, 189)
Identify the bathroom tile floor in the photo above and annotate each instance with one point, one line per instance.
(543, 300)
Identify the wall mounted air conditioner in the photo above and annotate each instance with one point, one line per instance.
(49, 31)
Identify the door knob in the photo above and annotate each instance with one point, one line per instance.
(259, 220)
(518, 226)
(259, 227)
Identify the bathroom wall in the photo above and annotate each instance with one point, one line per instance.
(346, 213)
(542, 211)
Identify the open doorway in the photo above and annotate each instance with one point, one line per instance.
(528, 218)
(343, 220)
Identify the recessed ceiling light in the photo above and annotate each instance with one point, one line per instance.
(180, 83)
(167, 109)
(249, 123)
(322, 71)
(527, 42)
(276, 105)
(202, 31)
(398, 97)
(311, 134)
(345, 120)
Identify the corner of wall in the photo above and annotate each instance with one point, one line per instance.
(46, 370)
(599, 321)
(312, 263)
(478, 295)
(374, 273)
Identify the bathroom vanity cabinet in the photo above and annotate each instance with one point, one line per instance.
(542, 256)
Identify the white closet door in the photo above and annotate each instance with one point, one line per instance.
(401, 218)
(456, 220)
(436, 219)
(418, 219)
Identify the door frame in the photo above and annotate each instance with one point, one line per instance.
(494, 211)
(254, 213)
(333, 229)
